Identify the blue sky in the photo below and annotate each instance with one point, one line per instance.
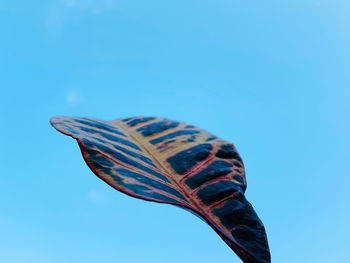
(273, 77)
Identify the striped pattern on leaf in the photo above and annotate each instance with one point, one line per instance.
(167, 161)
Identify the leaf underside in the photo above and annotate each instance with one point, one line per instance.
(167, 161)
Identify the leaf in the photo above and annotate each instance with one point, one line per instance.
(167, 161)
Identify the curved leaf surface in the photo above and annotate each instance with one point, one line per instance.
(167, 161)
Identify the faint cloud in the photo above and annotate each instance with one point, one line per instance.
(93, 195)
(56, 17)
(73, 97)
(64, 10)
(95, 6)
(70, 3)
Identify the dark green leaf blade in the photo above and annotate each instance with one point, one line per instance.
(167, 161)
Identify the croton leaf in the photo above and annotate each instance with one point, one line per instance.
(167, 161)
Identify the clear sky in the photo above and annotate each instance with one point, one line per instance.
(273, 77)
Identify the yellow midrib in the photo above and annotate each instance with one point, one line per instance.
(137, 138)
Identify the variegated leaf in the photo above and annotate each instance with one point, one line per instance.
(167, 161)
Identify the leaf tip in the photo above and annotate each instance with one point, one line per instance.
(63, 125)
